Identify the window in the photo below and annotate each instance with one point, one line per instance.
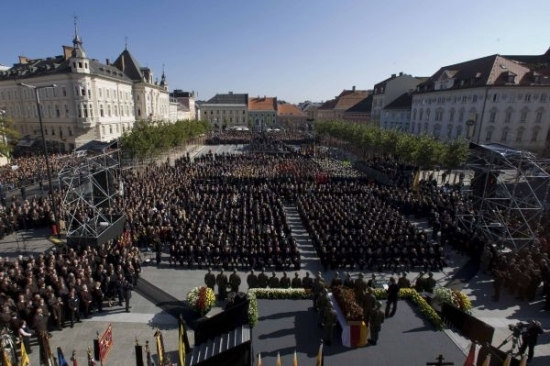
(57, 112)
(504, 136)
(458, 131)
(508, 116)
(426, 127)
(492, 116)
(414, 115)
(418, 127)
(420, 114)
(523, 117)
(464, 98)
(70, 132)
(543, 98)
(451, 115)
(107, 93)
(489, 135)
(101, 110)
(449, 131)
(108, 110)
(110, 128)
(437, 130)
(80, 65)
(91, 111)
(116, 110)
(461, 116)
(60, 132)
(519, 135)
(53, 131)
(67, 110)
(527, 97)
(89, 93)
(474, 98)
(535, 134)
(538, 118)
(427, 115)
(495, 97)
(439, 115)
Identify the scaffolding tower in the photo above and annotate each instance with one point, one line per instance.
(509, 189)
(92, 189)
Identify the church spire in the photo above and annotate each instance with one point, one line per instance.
(78, 50)
(163, 77)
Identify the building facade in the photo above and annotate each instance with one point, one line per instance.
(389, 90)
(491, 99)
(334, 109)
(290, 117)
(262, 113)
(226, 110)
(397, 114)
(187, 103)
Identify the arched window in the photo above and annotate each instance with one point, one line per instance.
(519, 135)
(504, 135)
(535, 134)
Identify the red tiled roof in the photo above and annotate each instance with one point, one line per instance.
(290, 110)
(262, 104)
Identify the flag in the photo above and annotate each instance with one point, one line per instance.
(183, 346)
(471, 359)
(91, 361)
(320, 358)
(487, 361)
(278, 359)
(259, 360)
(61, 357)
(24, 356)
(523, 361)
(160, 346)
(6, 359)
(508, 359)
(295, 361)
(416, 180)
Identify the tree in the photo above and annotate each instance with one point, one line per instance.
(8, 135)
(455, 154)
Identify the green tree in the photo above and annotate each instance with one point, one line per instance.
(455, 154)
(8, 135)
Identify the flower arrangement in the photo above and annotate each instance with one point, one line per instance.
(345, 297)
(453, 297)
(201, 299)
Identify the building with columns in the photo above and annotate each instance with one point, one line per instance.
(90, 101)
(504, 99)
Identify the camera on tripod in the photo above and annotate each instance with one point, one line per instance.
(518, 328)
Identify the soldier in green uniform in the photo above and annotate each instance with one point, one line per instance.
(336, 280)
(429, 284)
(329, 323)
(252, 280)
(262, 279)
(221, 281)
(296, 281)
(210, 279)
(348, 282)
(359, 286)
(373, 282)
(498, 283)
(234, 281)
(403, 281)
(323, 303)
(420, 283)
(285, 281)
(273, 281)
(368, 303)
(307, 282)
(318, 286)
(376, 320)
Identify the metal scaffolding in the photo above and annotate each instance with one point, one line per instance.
(509, 189)
(91, 186)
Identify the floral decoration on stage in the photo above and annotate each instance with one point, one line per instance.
(273, 294)
(201, 299)
(453, 297)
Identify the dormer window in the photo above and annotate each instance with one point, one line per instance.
(511, 78)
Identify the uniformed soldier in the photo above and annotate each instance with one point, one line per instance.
(376, 320)
(420, 283)
(329, 323)
(234, 281)
(252, 280)
(429, 284)
(359, 286)
(210, 279)
(307, 282)
(318, 286)
(221, 281)
(262, 279)
(296, 281)
(336, 280)
(285, 281)
(348, 282)
(373, 282)
(323, 304)
(498, 282)
(273, 281)
(403, 281)
(368, 303)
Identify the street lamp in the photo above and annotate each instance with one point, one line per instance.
(44, 146)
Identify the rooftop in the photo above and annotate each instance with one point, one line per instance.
(290, 110)
(262, 104)
(229, 98)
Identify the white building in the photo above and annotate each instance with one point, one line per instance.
(397, 114)
(491, 99)
(386, 91)
(226, 110)
(90, 101)
(187, 106)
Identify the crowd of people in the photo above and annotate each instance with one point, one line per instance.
(54, 290)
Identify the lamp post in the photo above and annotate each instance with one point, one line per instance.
(44, 146)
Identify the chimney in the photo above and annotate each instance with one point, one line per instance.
(67, 52)
(401, 73)
(393, 75)
(353, 88)
(23, 60)
(123, 64)
(107, 62)
(230, 92)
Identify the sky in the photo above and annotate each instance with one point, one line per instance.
(294, 50)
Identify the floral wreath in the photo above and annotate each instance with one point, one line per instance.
(201, 299)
